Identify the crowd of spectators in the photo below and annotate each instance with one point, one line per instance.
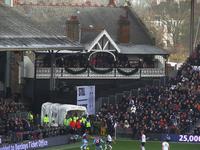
(8, 106)
(98, 60)
(173, 108)
(197, 131)
(71, 61)
(17, 124)
(102, 60)
(76, 61)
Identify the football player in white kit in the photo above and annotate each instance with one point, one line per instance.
(109, 142)
(165, 145)
(143, 140)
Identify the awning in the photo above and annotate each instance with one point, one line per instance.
(37, 43)
(141, 50)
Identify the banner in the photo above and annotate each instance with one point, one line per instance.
(196, 68)
(35, 144)
(86, 97)
(175, 137)
(181, 138)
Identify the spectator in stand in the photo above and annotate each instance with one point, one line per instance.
(126, 124)
(30, 117)
(37, 120)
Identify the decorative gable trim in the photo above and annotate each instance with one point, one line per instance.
(102, 47)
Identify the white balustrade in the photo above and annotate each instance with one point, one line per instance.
(61, 73)
(152, 72)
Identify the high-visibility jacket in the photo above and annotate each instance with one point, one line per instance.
(65, 122)
(30, 117)
(88, 124)
(68, 121)
(75, 118)
(46, 119)
(83, 120)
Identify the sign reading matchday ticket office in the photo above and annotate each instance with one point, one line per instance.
(86, 97)
(36, 144)
(26, 146)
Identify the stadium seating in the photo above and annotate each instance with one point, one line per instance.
(173, 108)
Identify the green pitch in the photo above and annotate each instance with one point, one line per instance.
(133, 145)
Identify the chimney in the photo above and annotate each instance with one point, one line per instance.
(124, 30)
(73, 28)
(112, 3)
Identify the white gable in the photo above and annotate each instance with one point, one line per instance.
(103, 42)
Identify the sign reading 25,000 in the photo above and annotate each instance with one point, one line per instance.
(189, 138)
(181, 138)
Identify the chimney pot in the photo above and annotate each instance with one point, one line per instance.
(112, 3)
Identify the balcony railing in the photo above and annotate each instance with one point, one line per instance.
(61, 73)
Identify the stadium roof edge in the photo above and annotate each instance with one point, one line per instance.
(41, 48)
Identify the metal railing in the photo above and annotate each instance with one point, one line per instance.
(61, 73)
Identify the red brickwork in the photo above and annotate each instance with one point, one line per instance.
(124, 30)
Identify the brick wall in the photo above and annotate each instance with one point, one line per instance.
(72, 28)
(124, 30)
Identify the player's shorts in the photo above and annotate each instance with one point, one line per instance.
(85, 141)
(99, 147)
(109, 142)
(143, 143)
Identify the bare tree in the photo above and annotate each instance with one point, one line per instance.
(169, 23)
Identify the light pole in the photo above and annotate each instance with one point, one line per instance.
(191, 26)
